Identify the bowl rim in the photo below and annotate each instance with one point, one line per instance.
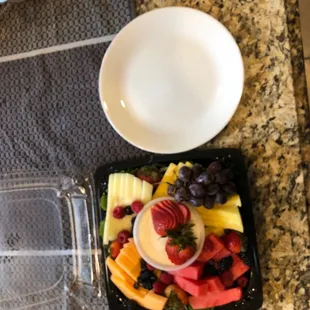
(147, 258)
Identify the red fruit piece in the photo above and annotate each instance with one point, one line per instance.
(169, 206)
(161, 220)
(137, 206)
(119, 212)
(227, 278)
(212, 245)
(177, 255)
(233, 242)
(115, 248)
(149, 174)
(159, 287)
(242, 281)
(238, 267)
(123, 236)
(166, 278)
(193, 271)
(149, 267)
(185, 212)
(173, 223)
(221, 254)
(214, 299)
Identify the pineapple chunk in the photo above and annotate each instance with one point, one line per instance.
(215, 230)
(233, 201)
(123, 189)
(227, 217)
(169, 177)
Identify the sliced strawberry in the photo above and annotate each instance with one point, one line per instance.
(161, 221)
(170, 213)
(178, 216)
(185, 212)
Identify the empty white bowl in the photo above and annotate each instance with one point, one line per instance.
(171, 80)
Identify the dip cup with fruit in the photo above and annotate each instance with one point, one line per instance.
(168, 235)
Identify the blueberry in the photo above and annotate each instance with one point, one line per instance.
(128, 210)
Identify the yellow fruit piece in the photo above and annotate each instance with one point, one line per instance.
(131, 252)
(227, 217)
(117, 271)
(128, 290)
(133, 269)
(169, 178)
(215, 230)
(153, 301)
(132, 247)
(123, 189)
(233, 201)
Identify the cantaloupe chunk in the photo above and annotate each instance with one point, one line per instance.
(132, 269)
(153, 301)
(228, 217)
(128, 290)
(131, 252)
(117, 271)
(131, 244)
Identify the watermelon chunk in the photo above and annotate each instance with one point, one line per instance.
(214, 284)
(221, 254)
(193, 271)
(199, 287)
(193, 287)
(211, 247)
(213, 299)
(237, 269)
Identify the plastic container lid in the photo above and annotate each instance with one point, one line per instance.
(49, 255)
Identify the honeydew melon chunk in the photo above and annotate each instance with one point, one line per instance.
(123, 189)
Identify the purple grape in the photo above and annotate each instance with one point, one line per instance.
(221, 198)
(205, 178)
(179, 183)
(196, 202)
(181, 194)
(208, 202)
(197, 170)
(197, 190)
(214, 167)
(229, 188)
(185, 174)
(171, 190)
(223, 176)
(212, 189)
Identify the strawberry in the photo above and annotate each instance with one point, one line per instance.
(177, 254)
(115, 248)
(233, 242)
(149, 174)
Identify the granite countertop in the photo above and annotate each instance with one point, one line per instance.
(271, 127)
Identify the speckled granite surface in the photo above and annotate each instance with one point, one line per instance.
(271, 126)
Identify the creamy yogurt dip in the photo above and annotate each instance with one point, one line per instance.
(152, 246)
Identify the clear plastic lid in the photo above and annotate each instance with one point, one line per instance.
(49, 254)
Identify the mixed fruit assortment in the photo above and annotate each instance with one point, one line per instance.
(222, 269)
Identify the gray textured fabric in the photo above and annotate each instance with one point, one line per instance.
(35, 24)
(50, 114)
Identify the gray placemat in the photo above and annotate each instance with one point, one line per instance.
(36, 24)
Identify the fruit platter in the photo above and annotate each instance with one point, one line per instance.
(178, 233)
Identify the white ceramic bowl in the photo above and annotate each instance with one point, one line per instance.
(171, 80)
(140, 232)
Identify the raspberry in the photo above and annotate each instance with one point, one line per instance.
(137, 206)
(242, 281)
(119, 212)
(166, 278)
(123, 236)
(159, 287)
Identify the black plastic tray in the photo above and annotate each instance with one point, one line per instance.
(253, 297)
